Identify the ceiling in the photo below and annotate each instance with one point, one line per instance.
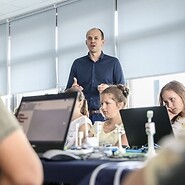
(12, 8)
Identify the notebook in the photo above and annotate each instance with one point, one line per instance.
(47, 119)
(134, 120)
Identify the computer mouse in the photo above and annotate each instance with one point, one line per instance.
(59, 155)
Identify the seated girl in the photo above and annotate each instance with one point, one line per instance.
(173, 96)
(112, 100)
(80, 119)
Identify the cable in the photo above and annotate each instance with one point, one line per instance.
(126, 166)
(96, 171)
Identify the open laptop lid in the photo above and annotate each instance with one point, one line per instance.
(134, 120)
(47, 119)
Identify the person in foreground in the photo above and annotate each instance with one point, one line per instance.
(173, 96)
(113, 98)
(94, 72)
(19, 164)
(80, 117)
(166, 168)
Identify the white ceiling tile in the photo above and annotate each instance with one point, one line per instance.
(6, 1)
(11, 8)
(26, 3)
(6, 9)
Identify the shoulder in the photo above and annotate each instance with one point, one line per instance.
(8, 122)
(81, 59)
(180, 120)
(97, 123)
(112, 58)
(83, 119)
(89, 121)
(119, 128)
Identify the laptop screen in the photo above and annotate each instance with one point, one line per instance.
(134, 120)
(47, 119)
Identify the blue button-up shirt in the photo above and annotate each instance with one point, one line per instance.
(90, 74)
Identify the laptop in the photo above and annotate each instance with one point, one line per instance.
(47, 119)
(134, 120)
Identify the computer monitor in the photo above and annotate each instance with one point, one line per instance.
(47, 119)
(134, 120)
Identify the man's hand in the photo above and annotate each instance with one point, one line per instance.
(101, 87)
(76, 85)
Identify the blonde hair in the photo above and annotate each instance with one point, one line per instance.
(81, 97)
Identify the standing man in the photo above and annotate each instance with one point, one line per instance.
(94, 72)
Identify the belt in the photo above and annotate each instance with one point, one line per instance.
(91, 112)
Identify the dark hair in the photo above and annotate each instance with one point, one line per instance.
(102, 34)
(119, 91)
(176, 87)
(81, 97)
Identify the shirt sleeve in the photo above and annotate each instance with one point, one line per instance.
(71, 76)
(118, 73)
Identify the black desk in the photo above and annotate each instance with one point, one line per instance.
(110, 174)
(78, 171)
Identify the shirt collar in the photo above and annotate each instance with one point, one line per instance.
(101, 56)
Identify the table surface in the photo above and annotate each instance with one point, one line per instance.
(76, 171)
